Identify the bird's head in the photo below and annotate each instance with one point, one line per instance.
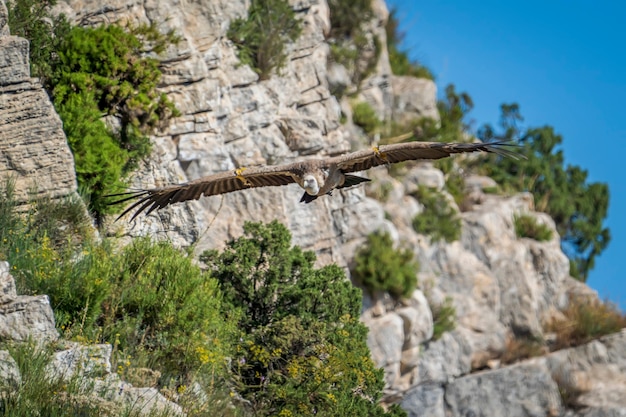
(310, 184)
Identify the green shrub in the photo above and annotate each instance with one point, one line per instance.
(40, 243)
(163, 311)
(42, 394)
(364, 116)
(102, 71)
(438, 220)
(90, 73)
(444, 318)
(149, 300)
(527, 226)
(302, 349)
(455, 185)
(347, 17)
(380, 267)
(261, 38)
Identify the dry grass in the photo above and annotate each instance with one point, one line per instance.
(585, 320)
(518, 349)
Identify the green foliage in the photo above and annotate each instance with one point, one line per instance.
(578, 207)
(438, 220)
(101, 72)
(91, 73)
(455, 184)
(162, 304)
(292, 331)
(36, 243)
(399, 59)
(364, 116)
(444, 318)
(380, 267)
(347, 17)
(527, 226)
(149, 300)
(302, 349)
(261, 38)
(31, 19)
(452, 111)
(41, 394)
(108, 62)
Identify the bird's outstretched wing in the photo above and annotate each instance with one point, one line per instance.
(399, 152)
(221, 183)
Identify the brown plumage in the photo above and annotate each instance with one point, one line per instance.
(316, 176)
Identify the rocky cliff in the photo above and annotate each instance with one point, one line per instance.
(501, 286)
(33, 149)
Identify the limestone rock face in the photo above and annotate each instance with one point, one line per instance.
(589, 377)
(9, 371)
(520, 390)
(33, 149)
(413, 97)
(23, 317)
(229, 119)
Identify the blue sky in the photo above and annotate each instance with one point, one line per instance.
(563, 62)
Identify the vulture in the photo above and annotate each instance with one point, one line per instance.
(316, 176)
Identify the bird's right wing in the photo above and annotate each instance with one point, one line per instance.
(221, 183)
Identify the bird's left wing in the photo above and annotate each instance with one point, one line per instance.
(399, 152)
(221, 183)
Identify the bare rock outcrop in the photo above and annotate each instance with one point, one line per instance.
(413, 97)
(33, 150)
(23, 317)
(581, 381)
(91, 365)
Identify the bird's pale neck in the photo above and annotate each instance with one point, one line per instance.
(311, 185)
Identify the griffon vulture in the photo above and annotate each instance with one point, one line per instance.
(316, 176)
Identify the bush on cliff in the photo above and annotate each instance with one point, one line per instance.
(262, 37)
(301, 349)
(93, 75)
(381, 267)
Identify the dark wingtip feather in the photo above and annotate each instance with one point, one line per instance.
(500, 148)
(142, 195)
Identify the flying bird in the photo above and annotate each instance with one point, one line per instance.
(316, 176)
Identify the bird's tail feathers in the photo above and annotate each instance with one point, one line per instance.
(307, 198)
(351, 180)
